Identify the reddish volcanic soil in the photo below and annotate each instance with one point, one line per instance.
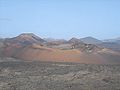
(48, 54)
(41, 53)
(32, 48)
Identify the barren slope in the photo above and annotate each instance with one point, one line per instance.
(41, 53)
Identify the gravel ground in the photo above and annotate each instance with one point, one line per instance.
(20, 75)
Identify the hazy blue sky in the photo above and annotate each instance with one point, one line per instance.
(60, 18)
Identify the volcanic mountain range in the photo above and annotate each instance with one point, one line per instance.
(30, 47)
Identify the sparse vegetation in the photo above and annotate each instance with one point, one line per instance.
(20, 75)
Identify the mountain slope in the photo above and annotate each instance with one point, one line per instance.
(30, 47)
(116, 40)
(111, 45)
(90, 40)
(41, 53)
(74, 40)
(25, 38)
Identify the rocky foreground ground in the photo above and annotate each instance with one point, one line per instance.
(21, 75)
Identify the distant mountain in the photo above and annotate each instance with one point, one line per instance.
(15, 44)
(91, 40)
(111, 45)
(49, 39)
(75, 40)
(116, 40)
(52, 40)
(26, 38)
